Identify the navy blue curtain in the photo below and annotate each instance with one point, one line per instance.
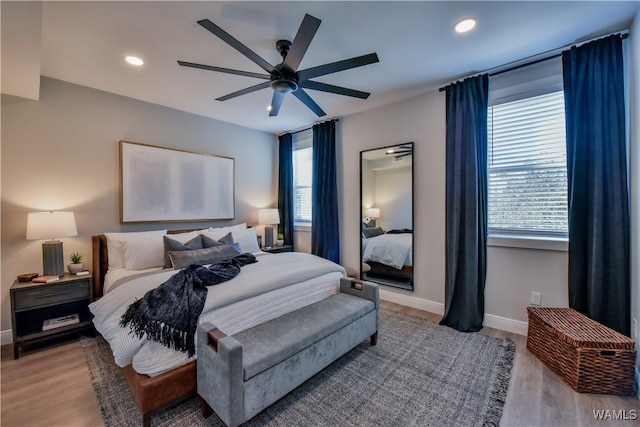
(325, 233)
(466, 204)
(599, 233)
(285, 187)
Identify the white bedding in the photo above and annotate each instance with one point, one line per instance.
(395, 250)
(275, 285)
(114, 275)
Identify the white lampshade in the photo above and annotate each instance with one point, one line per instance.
(50, 225)
(268, 216)
(373, 212)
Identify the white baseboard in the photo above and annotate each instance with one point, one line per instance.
(490, 320)
(6, 337)
(505, 324)
(413, 302)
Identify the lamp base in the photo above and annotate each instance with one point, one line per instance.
(268, 237)
(52, 259)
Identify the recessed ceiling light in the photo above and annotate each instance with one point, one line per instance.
(464, 25)
(134, 60)
(390, 151)
(269, 107)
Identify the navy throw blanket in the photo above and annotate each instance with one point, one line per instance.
(169, 313)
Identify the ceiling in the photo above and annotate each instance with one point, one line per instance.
(85, 43)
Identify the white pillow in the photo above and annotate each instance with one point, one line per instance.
(115, 251)
(247, 240)
(219, 232)
(143, 253)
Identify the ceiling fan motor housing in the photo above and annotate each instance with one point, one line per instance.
(285, 79)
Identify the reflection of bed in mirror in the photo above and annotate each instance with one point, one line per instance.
(388, 255)
(386, 190)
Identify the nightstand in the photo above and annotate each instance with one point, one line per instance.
(278, 249)
(33, 303)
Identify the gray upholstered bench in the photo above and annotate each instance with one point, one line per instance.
(241, 375)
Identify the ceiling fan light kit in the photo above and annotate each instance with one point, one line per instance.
(400, 152)
(285, 77)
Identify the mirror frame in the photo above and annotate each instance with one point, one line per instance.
(363, 276)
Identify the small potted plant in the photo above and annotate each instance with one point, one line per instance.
(76, 264)
(280, 239)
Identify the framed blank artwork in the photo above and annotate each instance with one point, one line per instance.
(160, 184)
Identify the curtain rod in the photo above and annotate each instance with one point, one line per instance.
(310, 127)
(552, 54)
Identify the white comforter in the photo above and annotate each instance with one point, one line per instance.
(395, 250)
(275, 285)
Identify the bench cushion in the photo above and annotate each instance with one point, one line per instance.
(265, 345)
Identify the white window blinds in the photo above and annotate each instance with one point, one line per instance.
(527, 166)
(302, 176)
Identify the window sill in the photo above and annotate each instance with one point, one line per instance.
(556, 244)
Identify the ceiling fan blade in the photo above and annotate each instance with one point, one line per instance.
(324, 87)
(259, 86)
(276, 102)
(301, 43)
(229, 39)
(224, 70)
(334, 67)
(306, 100)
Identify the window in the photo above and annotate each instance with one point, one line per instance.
(527, 183)
(302, 176)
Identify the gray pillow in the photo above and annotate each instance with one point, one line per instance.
(208, 242)
(215, 254)
(372, 232)
(175, 245)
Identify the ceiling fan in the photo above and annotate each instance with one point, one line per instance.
(400, 151)
(285, 77)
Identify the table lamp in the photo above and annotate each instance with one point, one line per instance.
(372, 214)
(268, 217)
(51, 225)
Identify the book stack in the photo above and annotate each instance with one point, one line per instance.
(59, 322)
(46, 279)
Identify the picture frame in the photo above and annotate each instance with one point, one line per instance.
(159, 184)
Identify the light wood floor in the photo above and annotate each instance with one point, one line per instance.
(51, 387)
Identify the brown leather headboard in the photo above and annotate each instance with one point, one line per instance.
(101, 260)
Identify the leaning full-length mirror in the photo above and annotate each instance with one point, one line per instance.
(386, 213)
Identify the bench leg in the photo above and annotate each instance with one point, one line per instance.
(374, 338)
(207, 411)
(146, 420)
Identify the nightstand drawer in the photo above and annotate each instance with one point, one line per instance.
(45, 295)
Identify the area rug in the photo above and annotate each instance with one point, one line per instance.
(419, 374)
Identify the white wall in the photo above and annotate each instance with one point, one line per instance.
(512, 272)
(302, 239)
(393, 197)
(61, 152)
(21, 40)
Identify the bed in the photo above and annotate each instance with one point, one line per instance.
(160, 377)
(389, 255)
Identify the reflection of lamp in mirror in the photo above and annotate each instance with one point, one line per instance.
(372, 214)
(51, 225)
(268, 217)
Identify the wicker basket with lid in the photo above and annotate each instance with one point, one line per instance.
(588, 356)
